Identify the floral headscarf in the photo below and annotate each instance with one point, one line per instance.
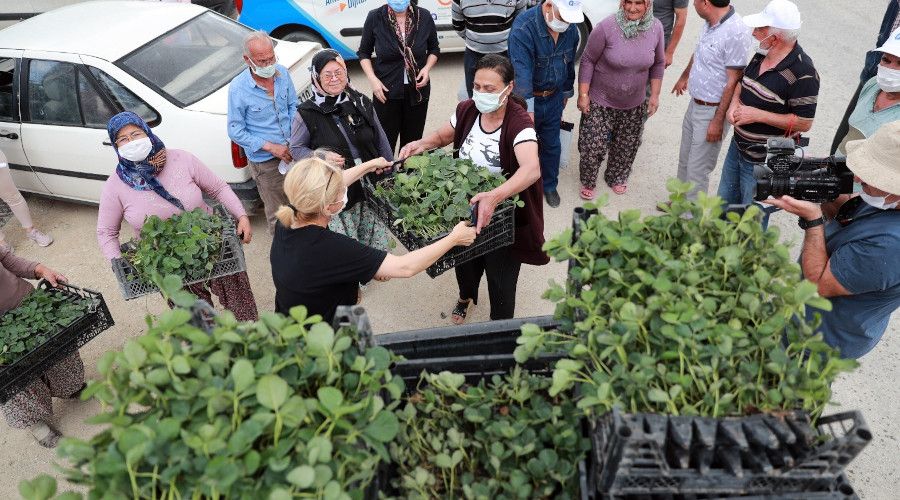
(631, 29)
(141, 176)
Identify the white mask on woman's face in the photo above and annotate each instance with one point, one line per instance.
(343, 203)
(136, 150)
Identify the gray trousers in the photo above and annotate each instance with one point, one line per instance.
(698, 157)
(270, 184)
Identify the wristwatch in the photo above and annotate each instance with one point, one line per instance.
(807, 224)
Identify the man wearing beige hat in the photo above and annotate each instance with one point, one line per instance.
(854, 255)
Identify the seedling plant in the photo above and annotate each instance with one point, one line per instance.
(281, 408)
(685, 313)
(41, 315)
(187, 244)
(432, 194)
(503, 439)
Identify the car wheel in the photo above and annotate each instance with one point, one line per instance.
(584, 30)
(300, 35)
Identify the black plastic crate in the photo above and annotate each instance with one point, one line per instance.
(16, 376)
(650, 454)
(839, 490)
(231, 261)
(501, 232)
(491, 337)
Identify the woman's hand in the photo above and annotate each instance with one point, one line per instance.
(412, 149)
(487, 203)
(53, 277)
(377, 165)
(584, 103)
(334, 158)
(422, 78)
(378, 89)
(652, 105)
(244, 230)
(463, 234)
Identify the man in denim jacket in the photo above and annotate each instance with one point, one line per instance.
(542, 47)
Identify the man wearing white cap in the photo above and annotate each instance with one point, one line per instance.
(542, 48)
(777, 98)
(854, 257)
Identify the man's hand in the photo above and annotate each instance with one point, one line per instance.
(652, 105)
(565, 102)
(244, 230)
(743, 115)
(422, 78)
(279, 151)
(411, 149)
(806, 209)
(487, 203)
(680, 86)
(378, 89)
(669, 57)
(54, 278)
(334, 158)
(715, 130)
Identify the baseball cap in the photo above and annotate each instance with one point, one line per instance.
(892, 44)
(570, 10)
(782, 14)
(874, 160)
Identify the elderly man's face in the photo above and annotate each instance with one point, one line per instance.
(261, 54)
(890, 61)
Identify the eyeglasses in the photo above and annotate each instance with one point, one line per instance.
(328, 76)
(125, 139)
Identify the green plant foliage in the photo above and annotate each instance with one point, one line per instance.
(433, 195)
(185, 245)
(41, 315)
(685, 313)
(279, 408)
(504, 439)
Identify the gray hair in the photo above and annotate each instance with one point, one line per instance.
(253, 36)
(786, 35)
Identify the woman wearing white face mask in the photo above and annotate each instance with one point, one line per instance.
(879, 99)
(493, 130)
(151, 179)
(318, 268)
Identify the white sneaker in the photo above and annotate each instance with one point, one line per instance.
(42, 239)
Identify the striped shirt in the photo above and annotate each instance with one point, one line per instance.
(791, 87)
(485, 24)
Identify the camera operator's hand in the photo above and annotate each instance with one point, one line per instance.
(715, 130)
(806, 209)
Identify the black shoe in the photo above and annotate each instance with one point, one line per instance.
(552, 198)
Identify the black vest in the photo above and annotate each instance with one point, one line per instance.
(358, 120)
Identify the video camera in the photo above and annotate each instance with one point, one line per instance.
(812, 179)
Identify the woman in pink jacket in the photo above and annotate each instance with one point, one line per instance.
(151, 179)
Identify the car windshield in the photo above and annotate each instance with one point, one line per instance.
(192, 61)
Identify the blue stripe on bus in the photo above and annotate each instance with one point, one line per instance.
(268, 17)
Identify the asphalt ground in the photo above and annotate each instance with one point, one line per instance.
(835, 34)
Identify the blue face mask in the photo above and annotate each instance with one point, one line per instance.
(398, 5)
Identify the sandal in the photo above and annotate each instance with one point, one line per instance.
(45, 435)
(458, 316)
(77, 394)
(619, 188)
(587, 193)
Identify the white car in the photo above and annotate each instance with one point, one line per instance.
(338, 23)
(64, 73)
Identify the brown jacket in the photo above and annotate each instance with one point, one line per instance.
(527, 248)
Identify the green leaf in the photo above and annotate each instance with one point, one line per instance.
(657, 395)
(330, 398)
(302, 476)
(271, 391)
(384, 427)
(320, 340)
(243, 375)
(42, 487)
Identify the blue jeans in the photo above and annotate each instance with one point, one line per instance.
(738, 185)
(547, 117)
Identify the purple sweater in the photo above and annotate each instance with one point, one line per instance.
(184, 176)
(617, 69)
